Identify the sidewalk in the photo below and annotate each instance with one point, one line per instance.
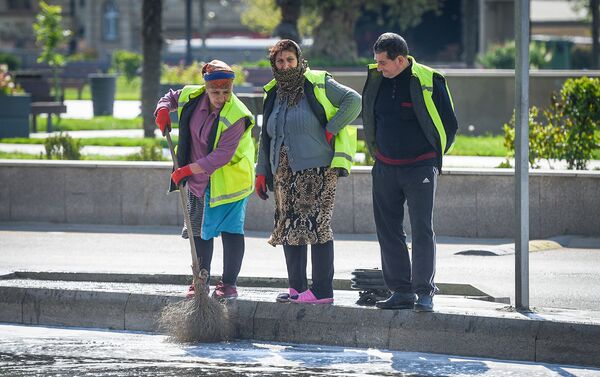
(119, 277)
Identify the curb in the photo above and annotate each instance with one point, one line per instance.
(509, 248)
(454, 289)
(509, 335)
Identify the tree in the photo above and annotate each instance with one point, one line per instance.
(151, 49)
(593, 9)
(264, 16)
(290, 13)
(334, 34)
(50, 35)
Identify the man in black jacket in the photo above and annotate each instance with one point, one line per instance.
(409, 124)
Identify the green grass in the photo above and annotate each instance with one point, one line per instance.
(18, 156)
(124, 90)
(479, 146)
(99, 141)
(471, 146)
(28, 156)
(94, 124)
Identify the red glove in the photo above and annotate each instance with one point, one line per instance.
(181, 174)
(261, 187)
(163, 120)
(329, 136)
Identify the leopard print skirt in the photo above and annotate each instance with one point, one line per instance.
(303, 204)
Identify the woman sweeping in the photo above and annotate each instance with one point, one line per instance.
(303, 111)
(215, 153)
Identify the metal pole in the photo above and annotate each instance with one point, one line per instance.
(188, 32)
(595, 12)
(521, 155)
(202, 31)
(482, 21)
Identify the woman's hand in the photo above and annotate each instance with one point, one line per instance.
(180, 175)
(163, 120)
(183, 173)
(328, 136)
(261, 187)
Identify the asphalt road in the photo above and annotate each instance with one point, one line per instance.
(561, 278)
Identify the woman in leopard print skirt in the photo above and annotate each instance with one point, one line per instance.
(294, 157)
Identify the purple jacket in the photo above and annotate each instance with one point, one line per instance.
(200, 126)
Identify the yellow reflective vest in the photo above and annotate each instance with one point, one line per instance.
(430, 119)
(235, 180)
(344, 144)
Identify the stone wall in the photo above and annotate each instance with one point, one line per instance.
(469, 203)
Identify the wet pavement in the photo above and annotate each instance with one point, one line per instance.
(55, 351)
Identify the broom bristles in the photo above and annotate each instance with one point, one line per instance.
(201, 319)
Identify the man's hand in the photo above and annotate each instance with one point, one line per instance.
(181, 174)
(163, 120)
(261, 187)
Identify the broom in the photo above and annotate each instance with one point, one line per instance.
(201, 319)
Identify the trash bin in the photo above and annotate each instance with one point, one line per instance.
(14, 117)
(103, 87)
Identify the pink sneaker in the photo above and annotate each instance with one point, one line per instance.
(225, 291)
(307, 297)
(286, 297)
(192, 291)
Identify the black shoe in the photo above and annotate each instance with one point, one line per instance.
(398, 300)
(424, 303)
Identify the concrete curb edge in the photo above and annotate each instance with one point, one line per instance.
(527, 339)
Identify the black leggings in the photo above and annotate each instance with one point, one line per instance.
(233, 253)
(322, 268)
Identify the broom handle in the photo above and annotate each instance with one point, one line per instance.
(186, 214)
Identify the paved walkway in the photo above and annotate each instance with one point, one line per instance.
(83, 109)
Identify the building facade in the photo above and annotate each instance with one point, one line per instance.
(100, 26)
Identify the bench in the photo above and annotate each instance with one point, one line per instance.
(41, 101)
(75, 74)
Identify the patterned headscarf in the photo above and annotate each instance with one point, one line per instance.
(290, 82)
(218, 74)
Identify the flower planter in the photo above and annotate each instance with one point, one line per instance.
(103, 87)
(14, 117)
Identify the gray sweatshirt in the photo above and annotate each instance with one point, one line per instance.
(298, 128)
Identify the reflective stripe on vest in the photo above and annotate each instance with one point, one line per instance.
(235, 180)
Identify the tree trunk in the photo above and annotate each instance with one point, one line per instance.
(470, 24)
(594, 10)
(151, 49)
(334, 36)
(290, 13)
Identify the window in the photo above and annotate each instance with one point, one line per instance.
(110, 21)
